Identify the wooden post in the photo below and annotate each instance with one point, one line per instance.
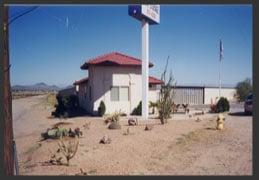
(8, 124)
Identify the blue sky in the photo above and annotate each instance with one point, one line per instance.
(52, 42)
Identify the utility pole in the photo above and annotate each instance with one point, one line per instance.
(8, 125)
(9, 143)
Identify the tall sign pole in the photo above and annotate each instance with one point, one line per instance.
(148, 15)
(145, 64)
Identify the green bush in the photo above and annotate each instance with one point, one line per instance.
(65, 105)
(243, 89)
(222, 105)
(101, 109)
(138, 109)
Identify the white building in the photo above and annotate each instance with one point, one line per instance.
(202, 94)
(114, 78)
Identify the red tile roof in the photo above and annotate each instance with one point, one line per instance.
(153, 80)
(114, 58)
(84, 80)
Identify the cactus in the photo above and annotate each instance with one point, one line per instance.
(69, 150)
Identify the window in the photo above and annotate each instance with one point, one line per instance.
(124, 93)
(120, 93)
(114, 93)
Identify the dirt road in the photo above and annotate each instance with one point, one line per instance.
(183, 147)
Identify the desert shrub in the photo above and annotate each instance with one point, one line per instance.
(113, 121)
(101, 109)
(138, 109)
(165, 102)
(243, 89)
(70, 101)
(68, 150)
(115, 117)
(222, 105)
(65, 106)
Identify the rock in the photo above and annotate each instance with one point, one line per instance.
(133, 121)
(148, 127)
(105, 140)
(114, 125)
(78, 132)
(127, 132)
(198, 119)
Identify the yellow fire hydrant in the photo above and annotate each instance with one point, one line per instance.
(220, 122)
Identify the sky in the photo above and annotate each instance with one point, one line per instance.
(50, 43)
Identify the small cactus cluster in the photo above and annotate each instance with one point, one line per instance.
(59, 132)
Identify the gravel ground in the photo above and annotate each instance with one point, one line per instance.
(184, 147)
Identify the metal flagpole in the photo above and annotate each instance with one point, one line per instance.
(219, 77)
(220, 62)
(145, 66)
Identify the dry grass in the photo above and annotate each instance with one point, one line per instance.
(51, 99)
(18, 95)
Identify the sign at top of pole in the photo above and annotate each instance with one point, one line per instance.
(151, 13)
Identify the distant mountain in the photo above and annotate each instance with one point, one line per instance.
(36, 87)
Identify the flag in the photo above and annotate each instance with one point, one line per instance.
(221, 50)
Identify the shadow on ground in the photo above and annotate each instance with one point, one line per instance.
(239, 114)
(77, 112)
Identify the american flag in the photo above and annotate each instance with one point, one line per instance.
(221, 50)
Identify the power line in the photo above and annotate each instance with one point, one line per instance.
(22, 14)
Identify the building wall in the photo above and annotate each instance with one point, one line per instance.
(211, 94)
(188, 95)
(153, 95)
(102, 78)
(67, 91)
(83, 96)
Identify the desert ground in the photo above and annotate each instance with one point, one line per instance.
(183, 146)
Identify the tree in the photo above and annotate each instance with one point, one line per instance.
(243, 89)
(101, 109)
(165, 102)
